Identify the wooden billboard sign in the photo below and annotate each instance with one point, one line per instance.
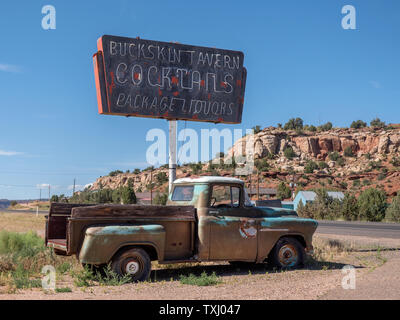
(143, 78)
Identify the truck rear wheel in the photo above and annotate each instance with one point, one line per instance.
(287, 253)
(134, 262)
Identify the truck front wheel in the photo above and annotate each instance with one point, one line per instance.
(134, 262)
(287, 253)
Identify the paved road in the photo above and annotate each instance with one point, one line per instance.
(365, 229)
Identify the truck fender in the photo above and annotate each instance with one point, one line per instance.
(102, 242)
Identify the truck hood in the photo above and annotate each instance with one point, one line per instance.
(278, 212)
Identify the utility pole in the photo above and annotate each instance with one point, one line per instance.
(40, 195)
(172, 153)
(73, 190)
(151, 186)
(49, 193)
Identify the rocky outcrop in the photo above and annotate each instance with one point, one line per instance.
(319, 145)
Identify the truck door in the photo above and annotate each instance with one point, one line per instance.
(233, 236)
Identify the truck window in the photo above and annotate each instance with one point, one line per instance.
(225, 196)
(182, 193)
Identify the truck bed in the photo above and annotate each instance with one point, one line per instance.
(67, 223)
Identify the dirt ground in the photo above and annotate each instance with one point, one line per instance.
(376, 263)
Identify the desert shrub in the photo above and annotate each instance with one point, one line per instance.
(256, 129)
(115, 173)
(261, 164)
(381, 176)
(358, 124)
(349, 209)
(340, 162)
(128, 195)
(325, 127)
(334, 156)
(161, 178)
(293, 124)
(372, 204)
(284, 191)
(393, 211)
(356, 183)
(395, 161)
(202, 280)
(377, 123)
(197, 167)
(289, 153)
(310, 167)
(322, 165)
(311, 128)
(348, 152)
(20, 244)
(160, 199)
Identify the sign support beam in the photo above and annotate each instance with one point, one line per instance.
(172, 153)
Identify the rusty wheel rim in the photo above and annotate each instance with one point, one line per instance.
(288, 255)
(132, 267)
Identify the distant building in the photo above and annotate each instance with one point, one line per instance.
(264, 193)
(309, 196)
(144, 197)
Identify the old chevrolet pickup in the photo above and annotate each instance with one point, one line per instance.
(205, 219)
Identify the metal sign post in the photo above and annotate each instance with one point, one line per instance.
(172, 153)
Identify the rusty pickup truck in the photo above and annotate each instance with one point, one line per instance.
(205, 219)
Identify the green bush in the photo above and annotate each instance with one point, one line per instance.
(349, 209)
(202, 280)
(348, 152)
(161, 178)
(160, 199)
(261, 164)
(340, 162)
(325, 127)
(289, 153)
(393, 211)
(20, 244)
(284, 191)
(115, 173)
(395, 161)
(293, 124)
(323, 165)
(128, 195)
(310, 167)
(358, 124)
(372, 204)
(334, 156)
(377, 123)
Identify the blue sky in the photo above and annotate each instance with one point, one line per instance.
(300, 62)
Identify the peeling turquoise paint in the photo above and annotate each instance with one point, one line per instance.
(126, 230)
(277, 212)
(278, 221)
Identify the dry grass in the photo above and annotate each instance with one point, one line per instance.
(22, 222)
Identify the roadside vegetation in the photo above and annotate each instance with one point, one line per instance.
(203, 280)
(22, 257)
(371, 205)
